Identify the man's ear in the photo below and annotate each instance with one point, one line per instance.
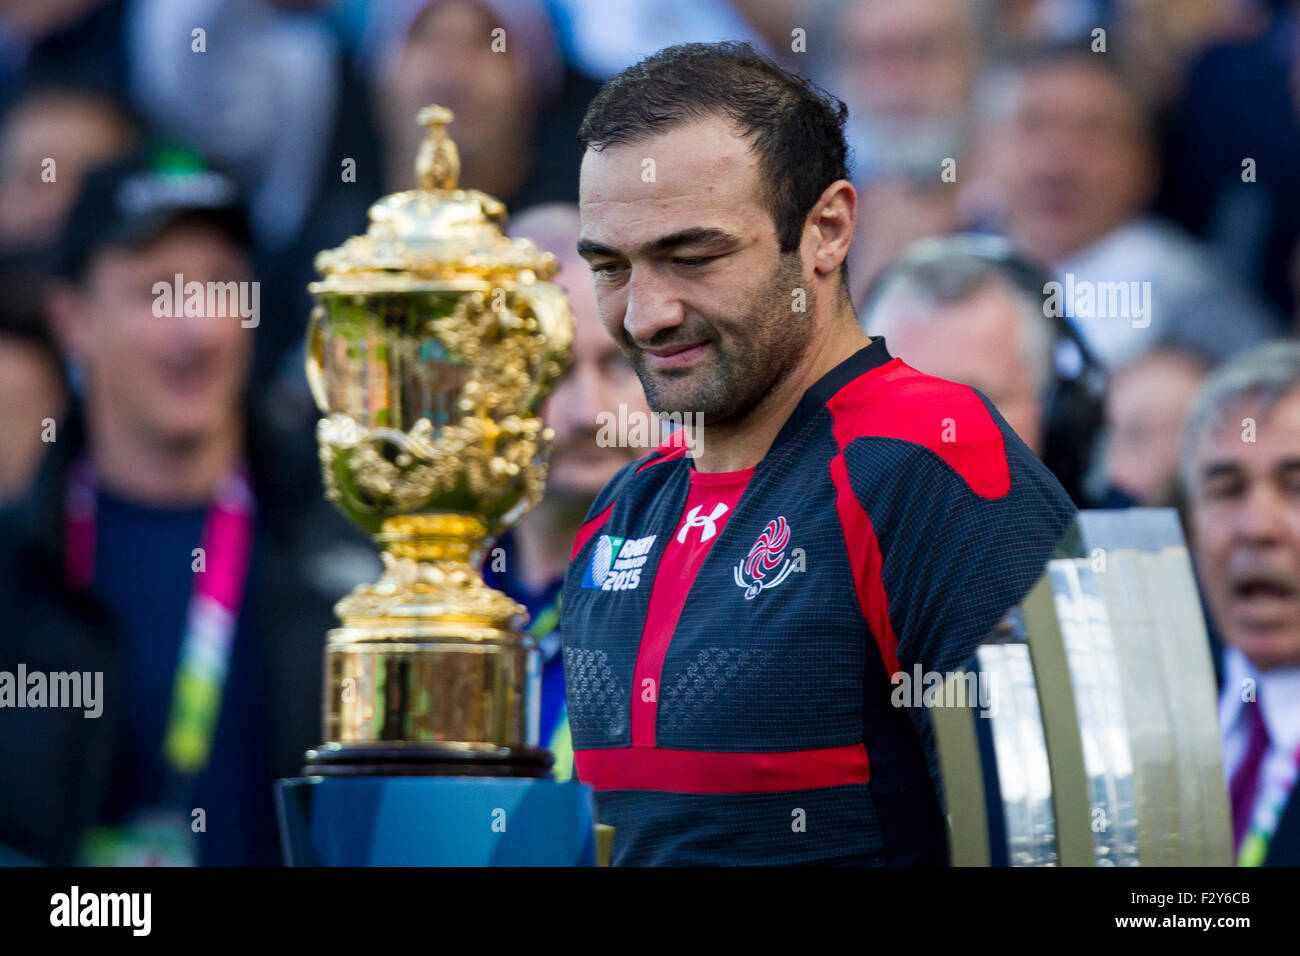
(832, 219)
(69, 324)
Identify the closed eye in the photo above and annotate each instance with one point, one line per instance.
(693, 261)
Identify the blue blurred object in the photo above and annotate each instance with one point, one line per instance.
(11, 857)
(435, 821)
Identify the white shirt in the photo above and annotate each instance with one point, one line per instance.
(1165, 287)
(1278, 692)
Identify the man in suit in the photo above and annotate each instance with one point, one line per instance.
(1241, 471)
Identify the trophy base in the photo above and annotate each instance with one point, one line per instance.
(331, 760)
(438, 821)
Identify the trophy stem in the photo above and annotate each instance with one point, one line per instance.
(437, 538)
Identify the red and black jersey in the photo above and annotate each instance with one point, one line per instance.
(730, 638)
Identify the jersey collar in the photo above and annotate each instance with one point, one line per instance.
(865, 359)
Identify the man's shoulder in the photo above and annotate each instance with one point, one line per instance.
(633, 484)
(906, 416)
(649, 468)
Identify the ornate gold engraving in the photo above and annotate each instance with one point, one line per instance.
(432, 345)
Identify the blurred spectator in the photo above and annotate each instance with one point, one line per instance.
(1233, 171)
(1025, 23)
(273, 99)
(32, 388)
(905, 69)
(601, 44)
(1069, 147)
(78, 41)
(966, 309)
(600, 380)
(517, 107)
(50, 136)
(1160, 38)
(259, 97)
(775, 22)
(1146, 406)
(170, 550)
(1241, 473)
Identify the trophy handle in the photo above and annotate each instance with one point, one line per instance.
(314, 359)
(550, 308)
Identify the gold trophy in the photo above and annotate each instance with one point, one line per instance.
(432, 344)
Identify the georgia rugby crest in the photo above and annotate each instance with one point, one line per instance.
(768, 553)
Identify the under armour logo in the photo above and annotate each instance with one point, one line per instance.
(696, 520)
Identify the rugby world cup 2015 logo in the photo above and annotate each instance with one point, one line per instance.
(616, 563)
(754, 571)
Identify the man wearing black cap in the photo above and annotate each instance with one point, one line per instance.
(171, 565)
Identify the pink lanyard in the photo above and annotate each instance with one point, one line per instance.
(211, 618)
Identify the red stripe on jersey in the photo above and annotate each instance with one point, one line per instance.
(674, 447)
(697, 771)
(709, 503)
(671, 449)
(588, 529)
(866, 561)
(897, 401)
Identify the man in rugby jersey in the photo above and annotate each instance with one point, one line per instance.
(735, 609)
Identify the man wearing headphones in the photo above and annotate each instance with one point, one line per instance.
(969, 309)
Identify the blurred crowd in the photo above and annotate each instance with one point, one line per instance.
(1153, 144)
(1139, 157)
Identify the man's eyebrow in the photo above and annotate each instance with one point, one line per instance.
(686, 237)
(689, 237)
(588, 247)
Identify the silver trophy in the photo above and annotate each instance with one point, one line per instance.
(1102, 747)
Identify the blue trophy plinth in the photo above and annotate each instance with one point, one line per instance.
(435, 821)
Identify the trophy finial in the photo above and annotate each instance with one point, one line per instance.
(437, 165)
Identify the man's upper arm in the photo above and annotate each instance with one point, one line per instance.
(954, 555)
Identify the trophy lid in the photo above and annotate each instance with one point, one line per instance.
(435, 232)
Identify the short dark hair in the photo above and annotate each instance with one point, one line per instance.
(796, 127)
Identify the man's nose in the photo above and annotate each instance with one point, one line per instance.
(576, 402)
(1260, 518)
(651, 306)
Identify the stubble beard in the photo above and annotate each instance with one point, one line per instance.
(770, 340)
